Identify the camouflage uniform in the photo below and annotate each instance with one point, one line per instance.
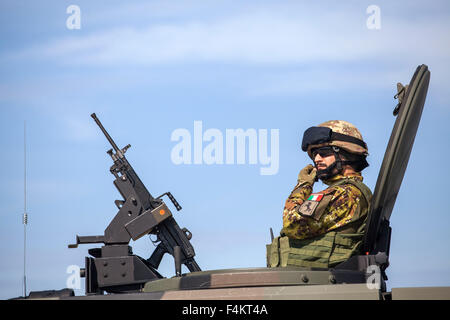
(326, 228)
(339, 206)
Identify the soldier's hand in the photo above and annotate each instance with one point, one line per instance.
(307, 174)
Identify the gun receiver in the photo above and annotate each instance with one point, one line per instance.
(139, 214)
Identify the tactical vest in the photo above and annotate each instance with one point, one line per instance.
(324, 251)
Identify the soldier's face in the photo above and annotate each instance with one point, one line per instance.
(323, 162)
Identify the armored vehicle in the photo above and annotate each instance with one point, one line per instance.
(114, 272)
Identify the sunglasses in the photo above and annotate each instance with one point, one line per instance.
(323, 152)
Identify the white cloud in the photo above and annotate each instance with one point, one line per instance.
(258, 37)
(304, 49)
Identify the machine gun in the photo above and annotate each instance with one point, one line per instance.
(114, 268)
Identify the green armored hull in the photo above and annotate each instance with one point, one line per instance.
(264, 284)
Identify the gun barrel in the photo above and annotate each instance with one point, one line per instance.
(111, 141)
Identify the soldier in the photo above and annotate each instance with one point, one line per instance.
(325, 228)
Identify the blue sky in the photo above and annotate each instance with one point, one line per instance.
(148, 68)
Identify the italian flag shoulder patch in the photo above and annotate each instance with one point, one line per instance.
(315, 197)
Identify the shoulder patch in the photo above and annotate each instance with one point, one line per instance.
(315, 206)
(308, 207)
(315, 197)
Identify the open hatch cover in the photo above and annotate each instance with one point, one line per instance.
(395, 161)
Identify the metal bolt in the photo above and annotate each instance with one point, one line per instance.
(105, 275)
(105, 264)
(304, 278)
(124, 274)
(332, 279)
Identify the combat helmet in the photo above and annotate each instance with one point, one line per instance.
(346, 143)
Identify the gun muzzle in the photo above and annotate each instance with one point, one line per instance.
(111, 141)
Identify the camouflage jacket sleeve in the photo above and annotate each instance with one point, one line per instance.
(291, 217)
(338, 206)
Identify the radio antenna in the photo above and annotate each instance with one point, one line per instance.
(25, 215)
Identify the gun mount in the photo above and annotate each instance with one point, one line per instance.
(113, 267)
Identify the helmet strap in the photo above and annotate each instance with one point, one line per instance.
(338, 159)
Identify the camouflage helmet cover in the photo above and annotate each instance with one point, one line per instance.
(343, 127)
